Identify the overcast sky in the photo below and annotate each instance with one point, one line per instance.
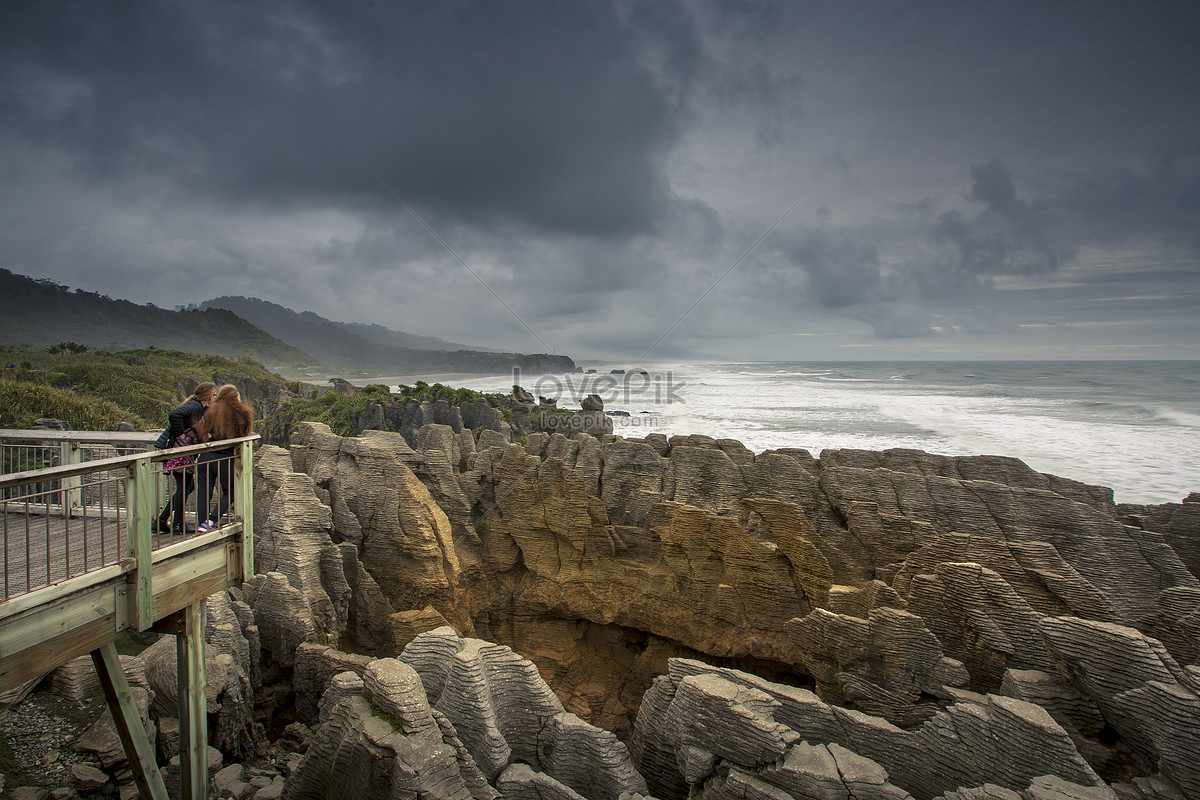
(828, 180)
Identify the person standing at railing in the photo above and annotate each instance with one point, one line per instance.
(180, 420)
(184, 470)
(226, 418)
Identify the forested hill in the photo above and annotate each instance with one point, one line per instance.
(341, 343)
(43, 313)
(39, 313)
(292, 326)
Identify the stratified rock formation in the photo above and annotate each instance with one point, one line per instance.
(446, 719)
(877, 624)
(712, 724)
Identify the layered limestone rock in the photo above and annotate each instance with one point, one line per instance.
(919, 589)
(231, 676)
(881, 665)
(382, 742)
(702, 728)
(453, 715)
(300, 573)
(1141, 692)
(505, 714)
(1177, 522)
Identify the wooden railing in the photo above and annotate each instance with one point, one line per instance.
(84, 561)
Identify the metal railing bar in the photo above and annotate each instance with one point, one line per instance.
(28, 550)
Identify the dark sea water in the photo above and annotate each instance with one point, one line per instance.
(1133, 426)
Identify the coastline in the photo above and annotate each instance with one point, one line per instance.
(447, 378)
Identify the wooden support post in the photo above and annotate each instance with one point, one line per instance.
(139, 493)
(69, 453)
(129, 723)
(193, 705)
(243, 477)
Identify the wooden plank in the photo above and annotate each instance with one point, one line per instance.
(220, 536)
(70, 454)
(193, 711)
(168, 574)
(44, 636)
(193, 591)
(63, 590)
(129, 723)
(47, 622)
(25, 665)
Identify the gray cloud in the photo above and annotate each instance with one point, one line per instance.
(537, 113)
(601, 165)
(840, 271)
(1009, 237)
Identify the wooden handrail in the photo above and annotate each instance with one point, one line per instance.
(118, 438)
(116, 462)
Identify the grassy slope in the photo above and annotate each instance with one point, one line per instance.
(95, 391)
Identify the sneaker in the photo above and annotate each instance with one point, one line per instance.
(206, 526)
(163, 526)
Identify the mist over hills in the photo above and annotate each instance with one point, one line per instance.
(370, 347)
(293, 326)
(41, 312)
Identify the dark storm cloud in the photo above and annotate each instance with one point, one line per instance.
(540, 113)
(1009, 237)
(601, 165)
(839, 271)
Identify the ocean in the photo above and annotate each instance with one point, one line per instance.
(1133, 426)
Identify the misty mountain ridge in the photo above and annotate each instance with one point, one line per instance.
(42, 313)
(367, 347)
(376, 333)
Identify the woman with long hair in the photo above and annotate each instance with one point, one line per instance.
(180, 420)
(226, 418)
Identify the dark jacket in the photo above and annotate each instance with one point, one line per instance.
(179, 419)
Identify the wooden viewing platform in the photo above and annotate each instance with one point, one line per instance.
(83, 565)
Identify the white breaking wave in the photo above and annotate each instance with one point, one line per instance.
(1131, 426)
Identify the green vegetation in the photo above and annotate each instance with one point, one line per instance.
(341, 409)
(99, 390)
(423, 391)
(67, 347)
(390, 719)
